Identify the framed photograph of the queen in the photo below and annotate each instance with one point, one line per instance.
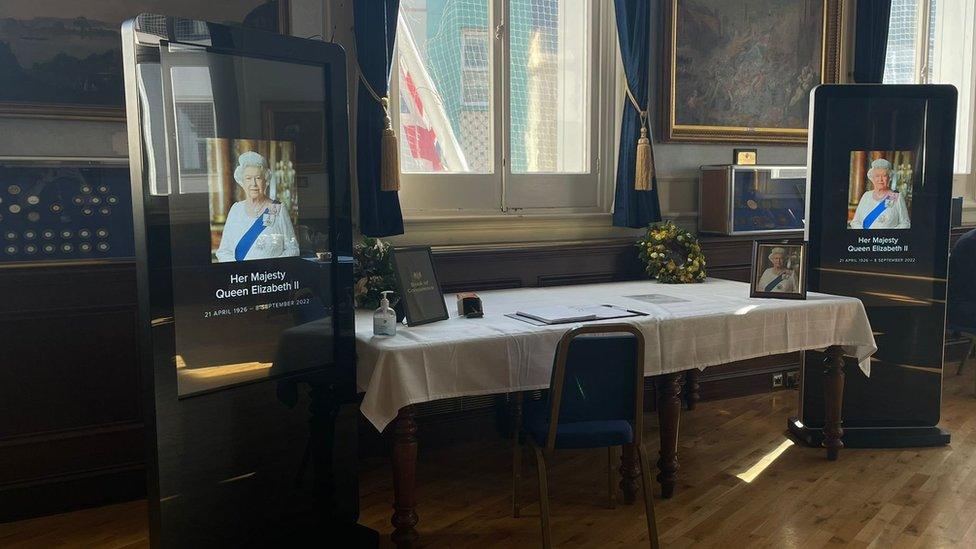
(742, 71)
(779, 269)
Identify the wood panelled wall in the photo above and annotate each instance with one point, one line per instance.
(70, 419)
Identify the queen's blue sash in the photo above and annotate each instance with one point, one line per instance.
(873, 216)
(777, 280)
(248, 239)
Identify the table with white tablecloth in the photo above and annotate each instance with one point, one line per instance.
(685, 326)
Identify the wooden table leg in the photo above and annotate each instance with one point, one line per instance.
(629, 473)
(516, 413)
(405, 517)
(833, 401)
(693, 386)
(668, 412)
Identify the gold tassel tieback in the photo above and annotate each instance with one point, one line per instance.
(644, 176)
(389, 152)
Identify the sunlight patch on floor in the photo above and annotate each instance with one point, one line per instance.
(750, 474)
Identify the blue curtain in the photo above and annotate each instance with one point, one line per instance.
(375, 25)
(871, 40)
(633, 208)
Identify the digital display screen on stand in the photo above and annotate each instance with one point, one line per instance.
(238, 143)
(878, 228)
(249, 213)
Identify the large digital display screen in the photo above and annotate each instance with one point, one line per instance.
(249, 222)
(238, 149)
(878, 228)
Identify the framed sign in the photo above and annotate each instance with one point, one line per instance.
(778, 269)
(742, 71)
(420, 293)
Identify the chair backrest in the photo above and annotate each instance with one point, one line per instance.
(597, 376)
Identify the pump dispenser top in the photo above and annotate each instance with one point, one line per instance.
(384, 319)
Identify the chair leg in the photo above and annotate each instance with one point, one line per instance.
(648, 497)
(516, 476)
(610, 477)
(540, 461)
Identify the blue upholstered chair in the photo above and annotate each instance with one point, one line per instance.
(596, 395)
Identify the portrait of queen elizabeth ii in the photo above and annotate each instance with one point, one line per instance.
(259, 226)
(778, 270)
(881, 207)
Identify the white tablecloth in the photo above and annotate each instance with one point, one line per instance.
(711, 323)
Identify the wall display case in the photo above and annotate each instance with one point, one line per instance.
(64, 210)
(741, 200)
(245, 284)
(68, 375)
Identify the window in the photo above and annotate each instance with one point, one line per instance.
(931, 41)
(500, 105)
(474, 68)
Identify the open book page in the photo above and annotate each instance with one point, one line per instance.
(559, 314)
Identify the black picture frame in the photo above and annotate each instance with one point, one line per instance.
(761, 253)
(420, 292)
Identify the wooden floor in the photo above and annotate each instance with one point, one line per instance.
(742, 483)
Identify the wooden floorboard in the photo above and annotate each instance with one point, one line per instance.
(730, 493)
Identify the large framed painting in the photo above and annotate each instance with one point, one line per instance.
(742, 71)
(64, 59)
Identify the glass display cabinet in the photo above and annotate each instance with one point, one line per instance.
(749, 200)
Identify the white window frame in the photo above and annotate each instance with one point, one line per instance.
(437, 196)
(954, 55)
(952, 61)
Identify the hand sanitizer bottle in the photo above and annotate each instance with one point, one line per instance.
(384, 319)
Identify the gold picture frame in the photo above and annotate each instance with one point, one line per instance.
(699, 105)
(100, 21)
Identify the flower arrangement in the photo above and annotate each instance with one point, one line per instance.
(373, 272)
(671, 254)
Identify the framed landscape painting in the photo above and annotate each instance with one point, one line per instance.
(742, 71)
(64, 59)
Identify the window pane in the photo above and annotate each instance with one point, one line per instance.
(902, 31)
(549, 72)
(445, 86)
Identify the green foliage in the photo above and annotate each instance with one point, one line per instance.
(671, 254)
(373, 272)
